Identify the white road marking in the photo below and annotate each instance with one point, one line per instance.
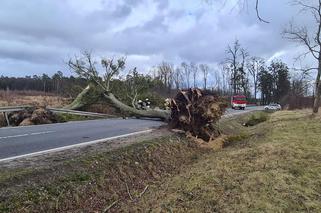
(14, 136)
(25, 135)
(42, 133)
(58, 124)
(85, 143)
(74, 146)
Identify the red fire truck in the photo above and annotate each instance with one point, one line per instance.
(238, 102)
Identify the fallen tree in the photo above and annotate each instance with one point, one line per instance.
(85, 67)
(197, 112)
(192, 110)
(86, 98)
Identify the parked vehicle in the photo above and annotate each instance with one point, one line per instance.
(273, 106)
(238, 102)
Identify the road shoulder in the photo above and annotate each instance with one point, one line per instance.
(54, 158)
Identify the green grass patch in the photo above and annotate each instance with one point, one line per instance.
(256, 118)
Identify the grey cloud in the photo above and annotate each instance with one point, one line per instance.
(131, 2)
(43, 32)
(162, 4)
(122, 11)
(156, 25)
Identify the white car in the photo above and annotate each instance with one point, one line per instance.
(273, 107)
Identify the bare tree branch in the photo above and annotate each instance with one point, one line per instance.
(85, 67)
(205, 70)
(258, 13)
(312, 43)
(300, 35)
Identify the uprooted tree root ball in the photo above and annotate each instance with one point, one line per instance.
(192, 110)
(197, 112)
(32, 116)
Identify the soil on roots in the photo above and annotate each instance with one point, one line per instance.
(197, 112)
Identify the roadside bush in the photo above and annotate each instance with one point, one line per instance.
(65, 117)
(256, 119)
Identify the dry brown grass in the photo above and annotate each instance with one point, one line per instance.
(92, 182)
(276, 170)
(271, 167)
(36, 98)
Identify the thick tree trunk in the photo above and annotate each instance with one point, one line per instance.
(151, 113)
(83, 99)
(87, 97)
(255, 92)
(317, 91)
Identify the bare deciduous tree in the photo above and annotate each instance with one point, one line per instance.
(187, 72)
(194, 69)
(255, 65)
(204, 69)
(178, 78)
(245, 2)
(132, 86)
(257, 2)
(300, 85)
(219, 82)
(225, 71)
(85, 67)
(235, 62)
(311, 40)
(233, 53)
(243, 75)
(166, 72)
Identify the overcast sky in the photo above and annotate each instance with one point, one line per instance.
(38, 36)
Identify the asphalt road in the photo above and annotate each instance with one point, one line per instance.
(231, 112)
(18, 142)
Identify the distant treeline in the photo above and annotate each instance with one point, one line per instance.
(58, 83)
(260, 83)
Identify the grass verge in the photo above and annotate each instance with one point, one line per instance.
(93, 182)
(275, 168)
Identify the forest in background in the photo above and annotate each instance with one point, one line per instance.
(239, 73)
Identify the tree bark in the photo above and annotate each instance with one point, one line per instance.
(316, 103)
(255, 92)
(151, 113)
(83, 99)
(86, 98)
(194, 111)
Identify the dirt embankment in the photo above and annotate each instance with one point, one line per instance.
(100, 181)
